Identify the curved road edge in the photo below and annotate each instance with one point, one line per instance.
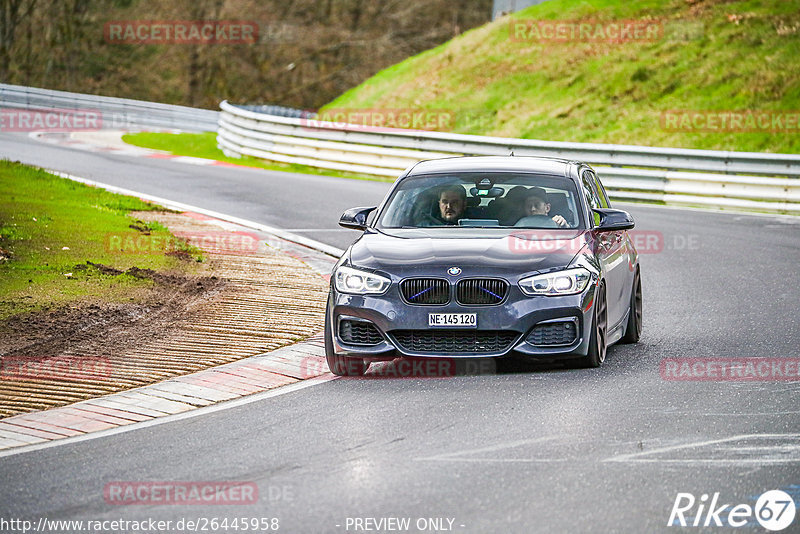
(278, 233)
(225, 386)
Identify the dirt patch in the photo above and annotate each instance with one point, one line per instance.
(698, 7)
(106, 327)
(241, 305)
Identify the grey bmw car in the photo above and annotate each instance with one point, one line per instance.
(485, 257)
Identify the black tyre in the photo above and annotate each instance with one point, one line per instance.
(597, 341)
(634, 329)
(340, 365)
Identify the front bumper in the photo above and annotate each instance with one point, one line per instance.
(518, 313)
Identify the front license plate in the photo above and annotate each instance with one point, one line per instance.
(453, 320)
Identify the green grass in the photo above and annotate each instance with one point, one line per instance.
(723, 55)
(50, 227)
(201, 145)
(204, 145)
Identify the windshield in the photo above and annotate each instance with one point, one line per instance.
(482, 200)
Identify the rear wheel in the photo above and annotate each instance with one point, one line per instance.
(340, 365)
(597, 341)
(634, 329)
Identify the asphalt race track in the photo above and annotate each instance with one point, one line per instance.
(526, 449)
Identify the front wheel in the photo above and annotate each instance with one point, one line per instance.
(597, 341)
(634, 329)
(340, 365)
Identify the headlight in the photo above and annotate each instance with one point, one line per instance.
(349, 280)
(567, 282)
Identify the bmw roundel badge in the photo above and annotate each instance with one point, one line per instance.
(454, 271)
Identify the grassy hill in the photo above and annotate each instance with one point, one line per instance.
(709, 55)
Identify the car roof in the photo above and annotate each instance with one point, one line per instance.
(553, 166)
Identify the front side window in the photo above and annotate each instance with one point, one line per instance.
(602, 197)
(520, 200)
(590, 193)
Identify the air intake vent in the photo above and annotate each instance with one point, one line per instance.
(426, 291)
(551, 334)
(359, 333)
(486, 291)
(454, 341)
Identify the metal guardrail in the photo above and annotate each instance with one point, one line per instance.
(114, 113)
(710, 178)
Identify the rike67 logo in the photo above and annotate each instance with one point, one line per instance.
(774, 510)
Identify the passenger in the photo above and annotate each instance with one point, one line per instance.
(511, 208)
(537, 211)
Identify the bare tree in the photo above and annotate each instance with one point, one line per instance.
(12, 12)
(309, 51)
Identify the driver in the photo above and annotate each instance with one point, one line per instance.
(452, 203)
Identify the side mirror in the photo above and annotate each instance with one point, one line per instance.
(613, 220)
(356, 218)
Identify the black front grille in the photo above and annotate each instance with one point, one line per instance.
(426, 291)
(454, 341)
(359, 332)
(560, 333)
(481, 291)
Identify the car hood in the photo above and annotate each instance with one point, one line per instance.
(415, 252)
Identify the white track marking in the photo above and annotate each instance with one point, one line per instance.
(645, 456)
(458, 455)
